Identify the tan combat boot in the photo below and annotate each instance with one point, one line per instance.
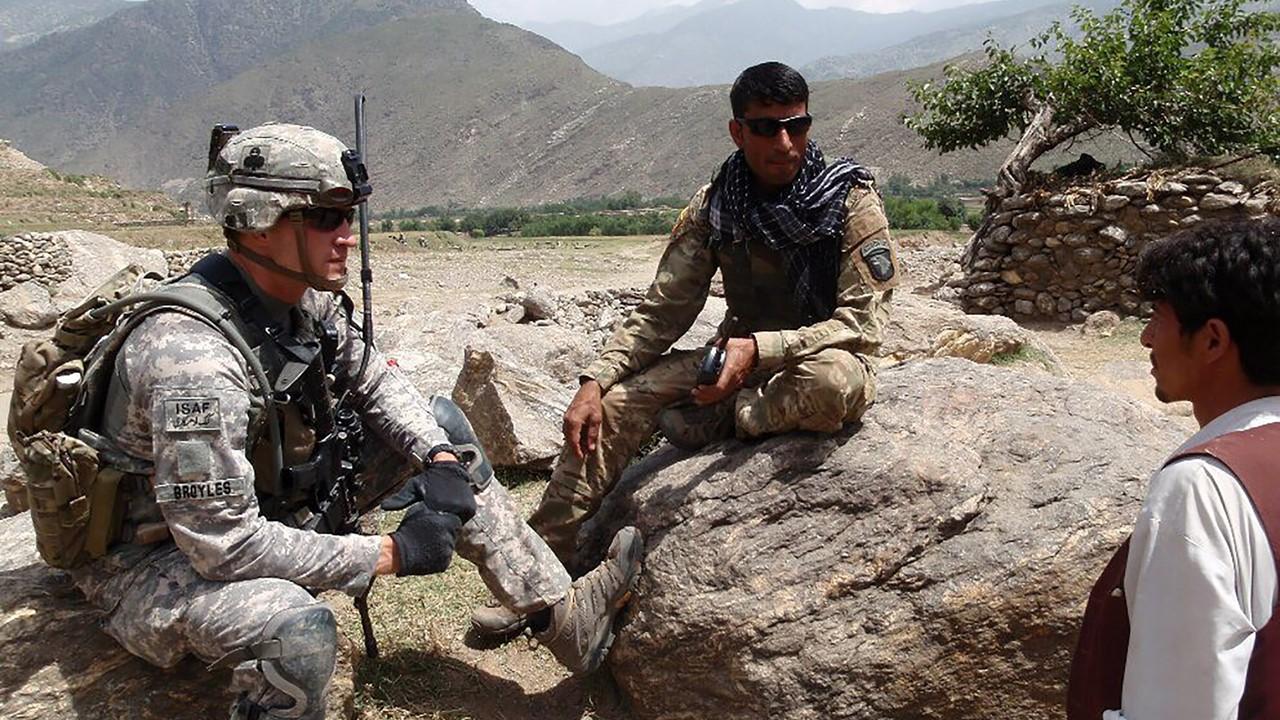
(580, 628)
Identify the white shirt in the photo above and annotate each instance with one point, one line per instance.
(1200, 581)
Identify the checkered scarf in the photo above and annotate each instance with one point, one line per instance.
(805, 223)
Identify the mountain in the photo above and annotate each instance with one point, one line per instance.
(68, 92)
(937, 46)
(24, 21)
(461, 109)
(577, 37)
(714, 45)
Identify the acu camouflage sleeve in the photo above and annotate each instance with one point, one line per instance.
(868, 274)
(677, 295)
(386, 400)
(190, 386)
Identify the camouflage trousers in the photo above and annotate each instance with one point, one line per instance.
(159, 608)
(820, 393)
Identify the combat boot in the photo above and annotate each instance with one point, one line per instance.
(693, 427)
(579, 629)
(495, 623)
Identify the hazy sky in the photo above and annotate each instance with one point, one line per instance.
(607, 11)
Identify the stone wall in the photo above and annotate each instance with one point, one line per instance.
(1061, 254)
(41, 257)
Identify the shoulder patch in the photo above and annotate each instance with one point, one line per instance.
(879, 259)
(201, 490)
(193, 414)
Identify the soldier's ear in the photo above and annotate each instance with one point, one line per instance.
(735, 132)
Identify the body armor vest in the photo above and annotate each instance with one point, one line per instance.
(756, 289)
(1097, 669)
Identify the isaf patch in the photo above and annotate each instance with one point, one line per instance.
(192, 415)
(201, 490)
(879, 260)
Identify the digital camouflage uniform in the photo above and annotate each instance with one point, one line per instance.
(810, 377)
(181, 399)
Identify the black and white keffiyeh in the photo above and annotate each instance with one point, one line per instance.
(805, 223)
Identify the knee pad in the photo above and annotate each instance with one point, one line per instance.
(296, 657)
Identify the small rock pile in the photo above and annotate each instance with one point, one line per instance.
(41, 257)
(180, 261)
(1063, 254)
(595, 313)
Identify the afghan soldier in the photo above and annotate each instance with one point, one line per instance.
(808, 267)
(231, 573)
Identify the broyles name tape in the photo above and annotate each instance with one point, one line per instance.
(203, 490)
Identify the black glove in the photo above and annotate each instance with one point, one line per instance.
(444, 487)
(424, 541)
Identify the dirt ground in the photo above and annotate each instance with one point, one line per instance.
(426, 668)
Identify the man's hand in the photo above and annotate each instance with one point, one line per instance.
(443, 487)
(424, 542)
(582, 419)
(740, 359)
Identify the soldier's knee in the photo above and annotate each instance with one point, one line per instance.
(296, 656)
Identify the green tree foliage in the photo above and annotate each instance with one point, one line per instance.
(1187, 76)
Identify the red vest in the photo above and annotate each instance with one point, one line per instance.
(1097, 670)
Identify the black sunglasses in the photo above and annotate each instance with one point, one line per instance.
(769, 127)
(327, 219)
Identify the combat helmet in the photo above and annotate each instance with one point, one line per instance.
(257, 176)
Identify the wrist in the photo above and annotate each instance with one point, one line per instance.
(388, 557)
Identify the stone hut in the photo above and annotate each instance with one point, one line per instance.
(1064, 253)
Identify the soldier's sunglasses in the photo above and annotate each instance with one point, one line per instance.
(327, 219)
(769, 127)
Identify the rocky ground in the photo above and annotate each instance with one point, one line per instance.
(440, 293)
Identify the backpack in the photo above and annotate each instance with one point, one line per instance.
(71, 477)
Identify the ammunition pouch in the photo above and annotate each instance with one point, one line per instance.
(75, 503)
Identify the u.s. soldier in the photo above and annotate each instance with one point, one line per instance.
(232, 574)
(808, 267)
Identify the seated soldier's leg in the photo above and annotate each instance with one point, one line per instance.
(281, 642)
(574, 620)
(821, 393)
(630, 415)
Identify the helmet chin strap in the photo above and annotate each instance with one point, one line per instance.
(307, 276)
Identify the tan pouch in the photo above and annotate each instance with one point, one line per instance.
(64, 490)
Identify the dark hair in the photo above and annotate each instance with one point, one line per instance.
(770, 83)
(1228, 270)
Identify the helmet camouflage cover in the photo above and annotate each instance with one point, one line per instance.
(266, 171)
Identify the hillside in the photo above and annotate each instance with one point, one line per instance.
(714, 45)
(68, 93)
(22, 22)
(466, 110)
(938, 46)
(31, 195)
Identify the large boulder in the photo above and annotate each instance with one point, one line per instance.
(920, 327)
(57, 663)
(28, 306)
(94, 258)
(933, 562)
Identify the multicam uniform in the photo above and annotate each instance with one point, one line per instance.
(810, 377)
(181, 399)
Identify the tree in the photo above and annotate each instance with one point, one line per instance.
(1188, 76)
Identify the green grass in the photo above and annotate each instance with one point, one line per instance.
(1025, 355)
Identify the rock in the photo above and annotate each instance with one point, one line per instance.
(922, 328)
(1113, 202)
(931, 563)
(1100, 324)
(1231, 187)
(28, 306)
(1114, 233)
(539, 304)
(1218, 201)
(515, 409)
(59, 664)
(1132, 189)
(1200, 179)
(94, 258)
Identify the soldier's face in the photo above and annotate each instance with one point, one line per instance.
(323, 252)
(774, 161)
